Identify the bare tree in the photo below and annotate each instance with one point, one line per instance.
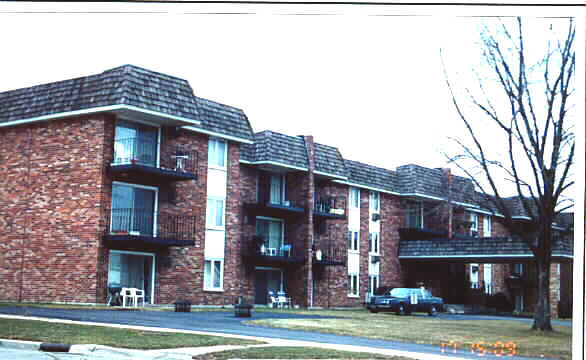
(535, 130)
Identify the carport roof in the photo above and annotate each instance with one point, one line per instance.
(465, 248)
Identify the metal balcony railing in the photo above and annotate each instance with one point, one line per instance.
(143, 152)
(147, 223)
(328, 251)
(257, 245)
(333, 206)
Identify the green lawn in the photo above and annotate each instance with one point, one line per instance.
(284, 352)
(501, 336)
(125, 338)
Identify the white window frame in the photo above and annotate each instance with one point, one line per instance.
(370, 283)
(146, 187)
(374, 201)
(354, 240)
(356, 196)
(374, 239)
(210, 216)
(353, 292)
(158, 127)
(153, 267)
(487, 226)
(212, 147)
(212, 273)
(474, 221)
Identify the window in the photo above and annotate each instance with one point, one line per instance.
(474, 270)
(353, 240)
(415, 215)
(373, 242)
(353, 285)
(272, 233)
(374, 201)
(354, 197)
(277, 189)
(213, 275)
(373, 281)
(133, 209)
(135, 143)
(215, 213)
(487, 226)
(518, 269)
(217, 153)
(474, 226)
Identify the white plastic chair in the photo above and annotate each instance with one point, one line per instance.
(127, 293)
(138, 294)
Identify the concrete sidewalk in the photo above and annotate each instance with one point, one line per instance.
(97, 352)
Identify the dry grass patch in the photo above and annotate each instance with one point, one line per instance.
(33, 330)
(437, 331)
(289, 352)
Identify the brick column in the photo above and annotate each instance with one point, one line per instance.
(310, 147)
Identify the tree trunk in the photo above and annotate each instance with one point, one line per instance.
(542, 319)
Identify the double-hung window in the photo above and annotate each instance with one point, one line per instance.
(217, 154)
(354, 197)
(215, 212)
(373, 243)
(213, 274)
(353, 241)
(353, 285)
(487, 226)
(374, 201)
(373, 281)
(474, 222)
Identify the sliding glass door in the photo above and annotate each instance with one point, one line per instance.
(133, 209)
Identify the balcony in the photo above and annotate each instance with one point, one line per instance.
(326, 252)
(277, 208)
(136, 156)
(143, 228)
(330, 207)
(258, 250)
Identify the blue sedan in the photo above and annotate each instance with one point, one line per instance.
(405, 301)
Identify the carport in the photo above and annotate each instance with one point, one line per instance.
(443, 265)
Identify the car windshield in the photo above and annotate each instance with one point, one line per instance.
(399, 292)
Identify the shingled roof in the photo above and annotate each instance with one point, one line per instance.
(329, 160)
(270, 146)
(124, 85)
(419, 180)
(372, 176)
(130, 88)
(480, 247)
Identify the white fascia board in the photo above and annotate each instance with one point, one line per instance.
(215, 134)
(97, 110)
(484, 212)
(437, 198)
(272, 163)
(366, 187)
(496, 256)
(520, 218)
(330, 175)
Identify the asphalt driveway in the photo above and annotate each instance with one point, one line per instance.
(224, 322)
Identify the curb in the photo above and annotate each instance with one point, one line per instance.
(20, 344)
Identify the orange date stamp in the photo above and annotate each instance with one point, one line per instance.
(481, 348)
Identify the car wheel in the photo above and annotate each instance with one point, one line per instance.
(432, 310)
(401, 310)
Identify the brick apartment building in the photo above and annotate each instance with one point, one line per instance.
(127, 177)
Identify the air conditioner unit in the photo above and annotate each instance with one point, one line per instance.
(375, 217)
(375, 259)
(474, 233)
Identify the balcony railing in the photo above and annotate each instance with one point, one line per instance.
(330, 207)
(136, 154)
(144, 225)
(271, 207)
(260, 249)
(328, 251)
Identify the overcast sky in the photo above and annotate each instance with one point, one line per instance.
(369, 84)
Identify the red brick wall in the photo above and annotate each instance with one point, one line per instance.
(391, 220)
(50, 206)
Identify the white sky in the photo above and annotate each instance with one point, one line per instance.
(368, 84)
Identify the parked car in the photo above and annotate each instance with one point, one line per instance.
(405, 301)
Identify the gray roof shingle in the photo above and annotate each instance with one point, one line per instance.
(372, 176)
(275, 147)
(466, 246)
(329, 160)
(124, 85)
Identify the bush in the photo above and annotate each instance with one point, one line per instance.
(500, 302)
